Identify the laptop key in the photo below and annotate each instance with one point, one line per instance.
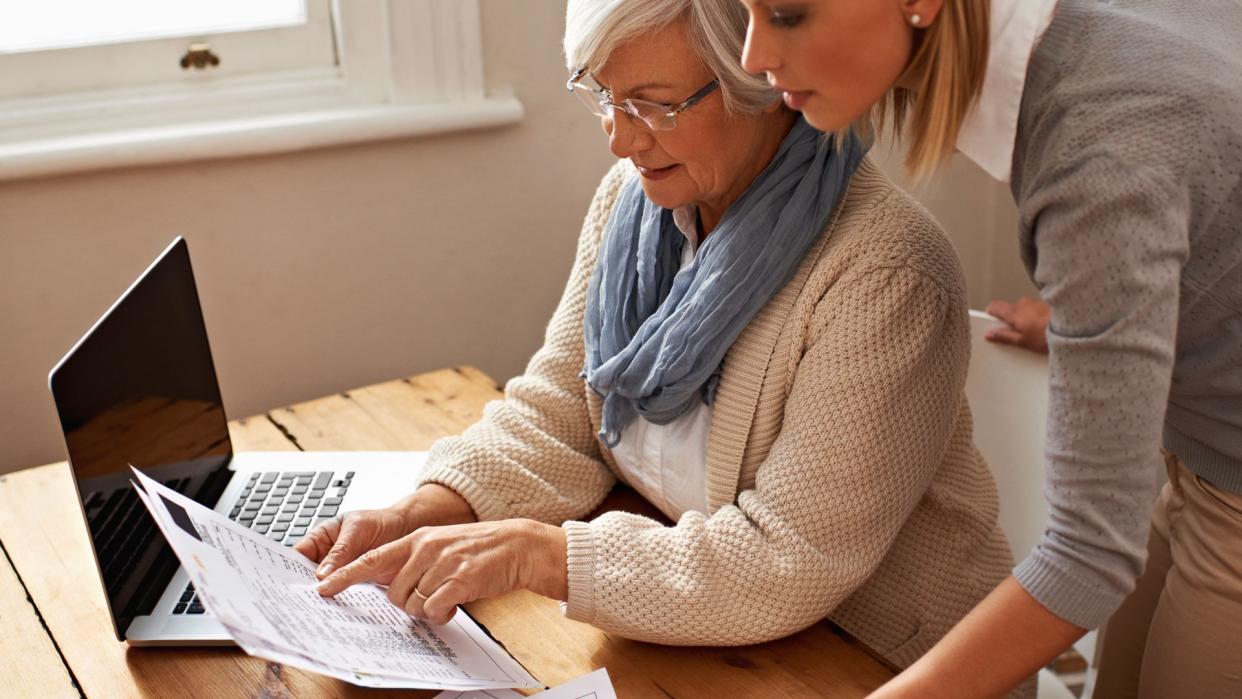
(299, 489)
(180, 608)
(280, 527)
(196, 608)
(276, 536)
(349, 474)
(265, 519)
(328, 511)
(261, 528)
(284, 517)
(322, 480)
(269, 477)
(297, 531)
(289, 507)
(279, 492)
(332, 501)
(302, 522)
(271, 510)
(187, 595)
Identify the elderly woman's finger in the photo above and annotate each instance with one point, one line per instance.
(349, 546)
(369, 566)
(318, 541)
(441, 605)
(401, 591)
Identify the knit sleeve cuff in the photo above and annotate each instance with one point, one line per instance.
(486, 506)
(1066, 593)
(581, 564)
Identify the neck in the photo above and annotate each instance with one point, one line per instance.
(762, 152)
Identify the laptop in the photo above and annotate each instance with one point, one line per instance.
(140, 388)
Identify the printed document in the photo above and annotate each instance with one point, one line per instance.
(595, 685)
(264, 595)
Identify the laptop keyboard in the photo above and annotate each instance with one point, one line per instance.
(282, 507)
(121, 542)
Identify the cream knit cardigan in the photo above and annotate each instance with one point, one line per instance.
(842, 480)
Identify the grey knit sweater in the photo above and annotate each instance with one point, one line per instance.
(1128, 177)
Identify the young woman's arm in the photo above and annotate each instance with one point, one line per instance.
(1009, 633)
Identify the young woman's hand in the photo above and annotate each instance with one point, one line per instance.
(1026, 323)
(341, 540)
(432, 570)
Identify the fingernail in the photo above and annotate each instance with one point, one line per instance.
(324, 570)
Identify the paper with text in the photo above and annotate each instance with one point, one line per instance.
(264, 595)
(596, 685)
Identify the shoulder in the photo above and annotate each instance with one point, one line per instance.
(880, 228)
(1150, 83)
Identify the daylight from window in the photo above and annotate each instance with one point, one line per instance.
(32, 25)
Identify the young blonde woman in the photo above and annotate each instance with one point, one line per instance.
(1119, 126)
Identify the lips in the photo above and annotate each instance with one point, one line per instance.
(656, 173)
(794, 99)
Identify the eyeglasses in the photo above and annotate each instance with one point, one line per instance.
(654, 115)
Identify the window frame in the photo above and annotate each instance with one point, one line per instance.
(152, 61)
(405, 67)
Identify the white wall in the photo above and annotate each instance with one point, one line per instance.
(329, 269)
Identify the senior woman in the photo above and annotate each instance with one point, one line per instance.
(762, 336)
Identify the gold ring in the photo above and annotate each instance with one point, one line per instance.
(419, 594)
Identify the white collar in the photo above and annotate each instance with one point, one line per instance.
(990, 131)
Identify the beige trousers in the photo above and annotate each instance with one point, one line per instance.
(1179, 634)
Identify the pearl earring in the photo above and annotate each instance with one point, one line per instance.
(916, 20)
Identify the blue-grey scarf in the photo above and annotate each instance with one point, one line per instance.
(656, 334)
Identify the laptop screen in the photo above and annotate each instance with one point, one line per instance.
(140, 388)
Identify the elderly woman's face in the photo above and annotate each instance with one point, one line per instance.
(712, 155)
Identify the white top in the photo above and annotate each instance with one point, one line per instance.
(667, 464)
(988, 135)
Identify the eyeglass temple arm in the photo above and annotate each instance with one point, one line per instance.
(692, 99)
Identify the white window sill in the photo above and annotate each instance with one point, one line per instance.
(227, 138)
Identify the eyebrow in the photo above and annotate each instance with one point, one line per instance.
(636, 88)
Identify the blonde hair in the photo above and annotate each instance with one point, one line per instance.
(715, 29)
(944, 77)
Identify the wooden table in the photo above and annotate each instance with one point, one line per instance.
(56, 638)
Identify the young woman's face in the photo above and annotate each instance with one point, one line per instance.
(832, 59)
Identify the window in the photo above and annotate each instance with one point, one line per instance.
(93, 84)
(58, 46)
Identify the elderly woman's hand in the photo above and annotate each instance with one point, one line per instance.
(340, 540)
(434, 569)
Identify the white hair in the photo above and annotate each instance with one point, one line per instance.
(716, 31)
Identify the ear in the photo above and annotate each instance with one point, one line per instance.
(920, 14)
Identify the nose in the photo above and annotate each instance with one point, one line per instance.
(624, 138)
(758, 55)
